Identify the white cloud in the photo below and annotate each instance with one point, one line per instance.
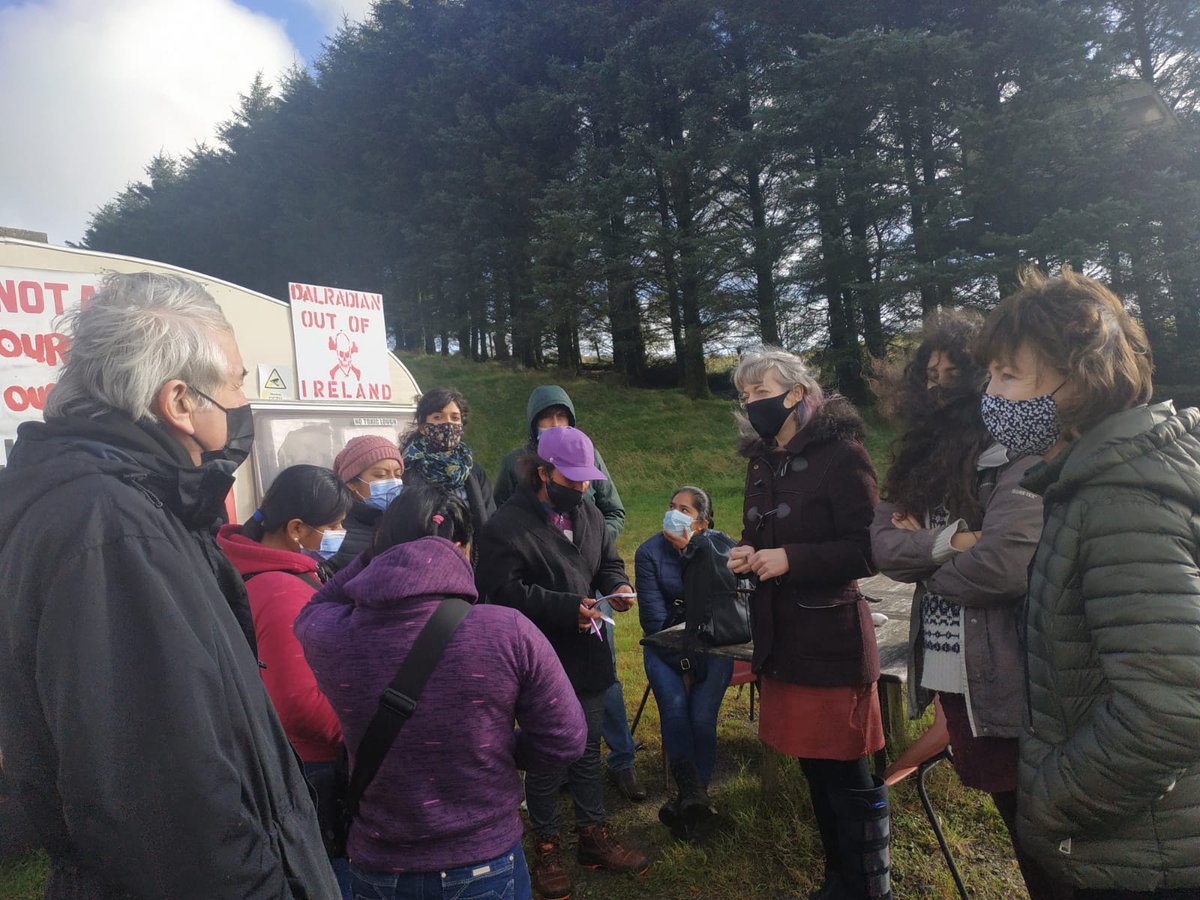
(330, 12)
(93, 90)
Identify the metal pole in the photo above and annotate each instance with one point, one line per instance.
(638, 715)
(922, 771)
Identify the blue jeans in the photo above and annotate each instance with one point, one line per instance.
(341, 866)
(616, 721)
(504, 878)
(689, 720)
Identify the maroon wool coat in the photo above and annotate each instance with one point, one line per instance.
(814, 499)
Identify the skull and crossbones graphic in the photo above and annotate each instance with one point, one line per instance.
(345, 350)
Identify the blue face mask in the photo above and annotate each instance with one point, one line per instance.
(331, 543)
(677, 522)
(384, 491)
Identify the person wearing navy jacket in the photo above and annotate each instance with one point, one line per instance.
(688, 688)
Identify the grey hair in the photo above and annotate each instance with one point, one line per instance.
(755, 363)
(138, 332)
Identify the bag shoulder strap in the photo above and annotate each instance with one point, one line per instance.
(306, 577)
(399, 701)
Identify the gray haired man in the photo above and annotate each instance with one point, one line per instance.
(136, 730)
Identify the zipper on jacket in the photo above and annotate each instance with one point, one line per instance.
(1023, 632)
(138, 481)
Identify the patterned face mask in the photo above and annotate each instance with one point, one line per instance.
(1028, 427)
(443, 437)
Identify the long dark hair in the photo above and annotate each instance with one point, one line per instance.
(431, 401)
(933, 461)
(313, 494)
(423, 510)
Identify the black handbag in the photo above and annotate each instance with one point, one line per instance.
(338, 790)
(718, 601)
(728, 621)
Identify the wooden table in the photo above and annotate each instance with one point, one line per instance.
(889, 597)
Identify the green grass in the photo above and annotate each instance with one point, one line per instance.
(654, 441)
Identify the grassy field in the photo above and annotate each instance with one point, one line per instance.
(654, 441)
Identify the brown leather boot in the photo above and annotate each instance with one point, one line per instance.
(548, 871)
(599, 849)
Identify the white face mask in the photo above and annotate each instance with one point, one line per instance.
(331, 543)
(677, 522)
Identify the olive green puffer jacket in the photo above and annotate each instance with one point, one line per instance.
(1110, 760)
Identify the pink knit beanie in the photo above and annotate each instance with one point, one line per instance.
(361, 453)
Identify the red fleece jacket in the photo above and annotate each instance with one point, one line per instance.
(276, 596)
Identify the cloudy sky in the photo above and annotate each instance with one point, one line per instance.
(90, 90)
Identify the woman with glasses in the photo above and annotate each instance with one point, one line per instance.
(810, 496)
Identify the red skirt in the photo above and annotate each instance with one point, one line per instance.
(819, 722)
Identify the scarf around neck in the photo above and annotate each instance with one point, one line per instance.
(448, 468)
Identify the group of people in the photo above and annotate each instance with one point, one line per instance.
(162, 672)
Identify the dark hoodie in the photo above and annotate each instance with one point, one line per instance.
(602, 493)
(814, 499)
(135, 727)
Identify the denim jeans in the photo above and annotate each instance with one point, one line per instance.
(616, 720)
(341, 866)
(583, 776)
(689, 720)
(504, 878)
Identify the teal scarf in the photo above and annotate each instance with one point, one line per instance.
(450, 468)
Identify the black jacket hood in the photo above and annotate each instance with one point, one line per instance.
(58, 451)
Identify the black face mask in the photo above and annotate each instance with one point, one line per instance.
(767, 416)
(563, 498)
(239, 438)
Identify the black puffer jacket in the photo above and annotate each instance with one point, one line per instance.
(360, 526)
(527, 563)
(136, 730)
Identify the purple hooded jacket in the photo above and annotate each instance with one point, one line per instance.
(448, 792)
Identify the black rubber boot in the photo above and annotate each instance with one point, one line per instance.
(694, 803)
(831, 888)
(668, 813)
(864, 832)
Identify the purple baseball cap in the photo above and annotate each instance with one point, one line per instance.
(572, 453)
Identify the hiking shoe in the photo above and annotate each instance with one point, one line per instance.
(548, 869)
(598, 849)
(627, 783)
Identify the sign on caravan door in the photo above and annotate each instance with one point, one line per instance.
(31, 301)
(341, 344)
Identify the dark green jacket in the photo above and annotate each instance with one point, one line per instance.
(1110, 761)
(602, 493)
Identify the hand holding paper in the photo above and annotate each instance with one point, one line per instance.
(621, 599)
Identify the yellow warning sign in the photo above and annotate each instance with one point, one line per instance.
(274, 381)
